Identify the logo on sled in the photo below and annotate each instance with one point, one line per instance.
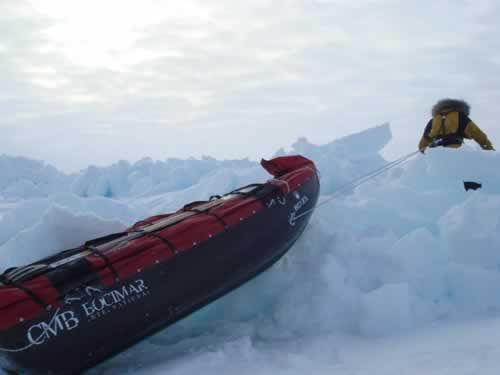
(44, 331)
(296, 208)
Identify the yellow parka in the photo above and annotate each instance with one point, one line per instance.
(450, 124)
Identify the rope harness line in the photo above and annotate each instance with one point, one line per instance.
(361, 180)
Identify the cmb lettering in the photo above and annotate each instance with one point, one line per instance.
(60, 322)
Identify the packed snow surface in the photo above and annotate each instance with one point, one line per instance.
(390, 277)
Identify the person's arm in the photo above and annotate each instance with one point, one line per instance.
(472, 131)
(425, 140)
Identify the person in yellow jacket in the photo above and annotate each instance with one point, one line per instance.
(450, 124)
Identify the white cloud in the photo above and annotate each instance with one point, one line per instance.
(123, 79)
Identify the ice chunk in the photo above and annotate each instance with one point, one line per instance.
(58, 229)
(386, 311)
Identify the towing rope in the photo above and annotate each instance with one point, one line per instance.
(361, 180)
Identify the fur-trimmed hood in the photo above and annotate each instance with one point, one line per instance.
(450, 105)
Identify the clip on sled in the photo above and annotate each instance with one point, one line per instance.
(70, 311)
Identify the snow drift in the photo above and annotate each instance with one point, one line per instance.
(405, 250)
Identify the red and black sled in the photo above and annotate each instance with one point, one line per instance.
(70, 311)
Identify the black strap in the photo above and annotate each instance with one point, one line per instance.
(247, 193)
(102, 240)
(7, 281)
(219, 219)
(141, 223)
(163, 239)
(106, 260)
(208, 212)
(445, 140)
(463, 121)
(192, 206)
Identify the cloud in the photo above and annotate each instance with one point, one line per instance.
(235, 78)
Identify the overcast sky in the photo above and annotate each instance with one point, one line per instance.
(92, 82)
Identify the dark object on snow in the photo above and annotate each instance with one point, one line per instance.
(71, 311)
(471, 185)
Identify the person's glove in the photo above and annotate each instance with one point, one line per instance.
(488, 147)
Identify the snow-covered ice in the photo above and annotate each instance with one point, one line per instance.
(399, 276)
